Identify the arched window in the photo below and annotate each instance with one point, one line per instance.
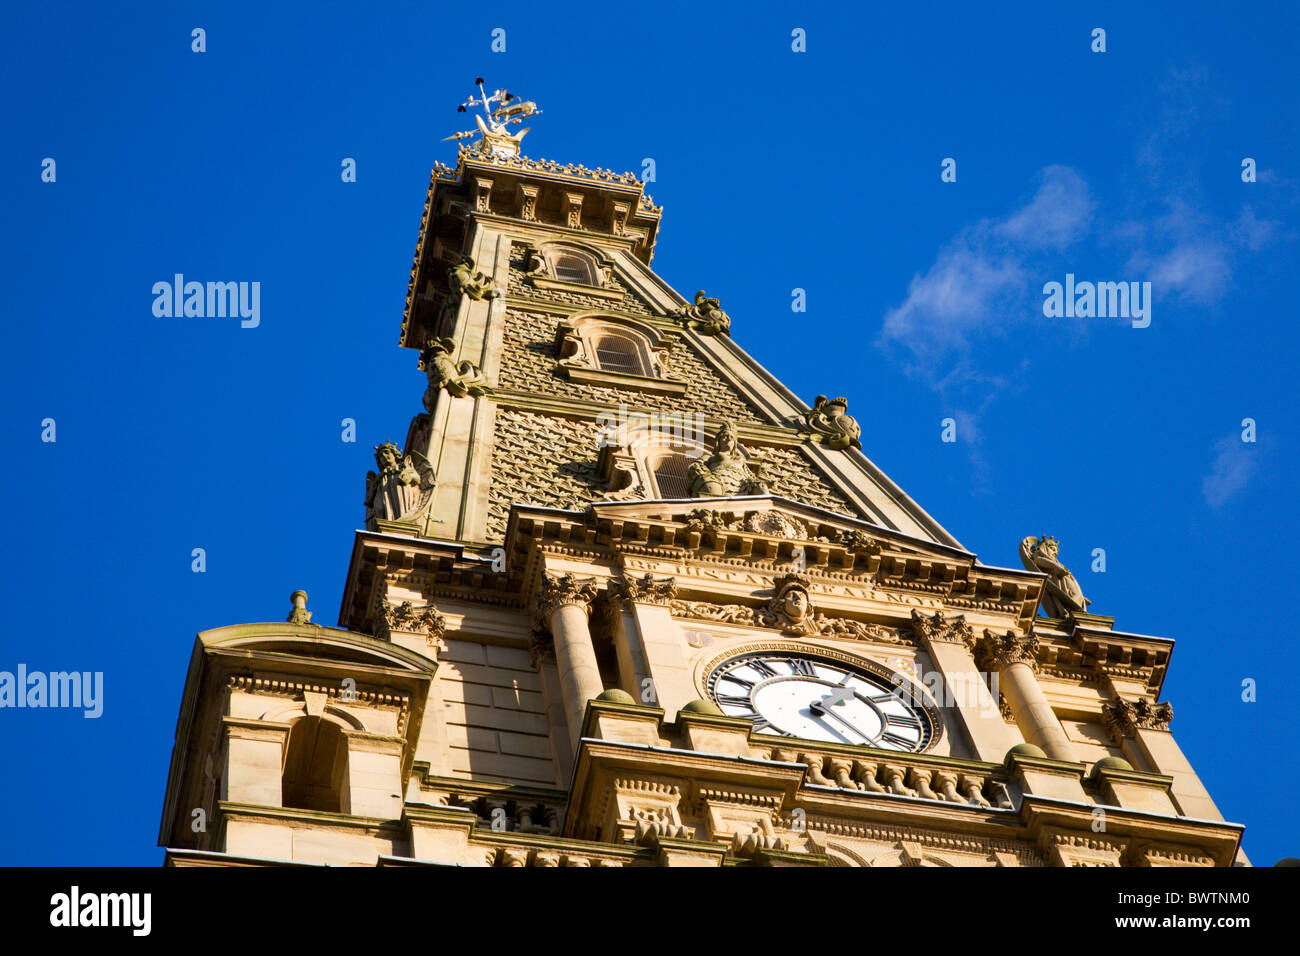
(619, 353)
(668, 470)
(315, 766)
(573, 269)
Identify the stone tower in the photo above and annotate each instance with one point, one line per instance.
(622, 599)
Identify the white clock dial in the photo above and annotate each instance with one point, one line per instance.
(793, 694)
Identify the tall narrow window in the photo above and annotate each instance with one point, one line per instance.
(572, 269)
(315, 766)
(618, 353)
(669, 471)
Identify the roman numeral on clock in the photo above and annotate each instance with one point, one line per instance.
(903, 720)
(801, 667)
(734, 701)
(902, 743)
(761, 666)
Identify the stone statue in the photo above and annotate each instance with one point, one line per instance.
(705, 316)
(459, 380)
(728, 471)
(463, 280)
(827, 418)
(1061, 592)
(397, 490)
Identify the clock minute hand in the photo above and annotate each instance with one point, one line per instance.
(819, 707)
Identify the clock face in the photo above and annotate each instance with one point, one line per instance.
(793, 694)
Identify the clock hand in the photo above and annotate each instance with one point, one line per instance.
(819, 707)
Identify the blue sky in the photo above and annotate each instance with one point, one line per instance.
(777, 170)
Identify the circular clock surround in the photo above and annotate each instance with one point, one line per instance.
(793, 691)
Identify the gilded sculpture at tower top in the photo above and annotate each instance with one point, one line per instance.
(499, 110)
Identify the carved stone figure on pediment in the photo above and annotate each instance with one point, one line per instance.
(728, 471)
(857, 540)
(459, 380)
(828, 419)
(398, 489)
(705, 316)
(1061, 592)
(777, 524)
(702, 519)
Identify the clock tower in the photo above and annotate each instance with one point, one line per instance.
(623, 599)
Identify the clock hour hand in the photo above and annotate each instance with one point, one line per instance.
(819, 707)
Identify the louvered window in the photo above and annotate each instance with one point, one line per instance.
(616, 353)
(572, 269)
(670, 475)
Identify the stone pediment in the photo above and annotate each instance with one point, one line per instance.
(743, 542)
(777, 518)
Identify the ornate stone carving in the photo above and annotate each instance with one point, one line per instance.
(728, 471)
(541, 646)
(859, 541)
(299, 614)
(1123, 718)
(705, 316)
(646, 589)
(462, 280)
(829, 422)
(406, 618)
(459, 380)
(997, 651)
(790, 610)
(775, 523)
(567, 589)
(399, 488)
(706, 519)
(940, 630)
(1061, 592)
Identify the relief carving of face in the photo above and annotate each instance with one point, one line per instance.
(794, 604)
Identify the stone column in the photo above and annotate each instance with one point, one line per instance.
(948, 641)
(1012, 655)
(656, 642)
(564, 604)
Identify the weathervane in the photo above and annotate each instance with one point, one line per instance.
(498, 111)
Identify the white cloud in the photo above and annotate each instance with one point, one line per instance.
(1234, 464)
(1059, 214)
(982, 268)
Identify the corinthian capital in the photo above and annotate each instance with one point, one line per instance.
(1124, 718)
(1002, 650)
(646, 589)
(941, 630)
(567, 589)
